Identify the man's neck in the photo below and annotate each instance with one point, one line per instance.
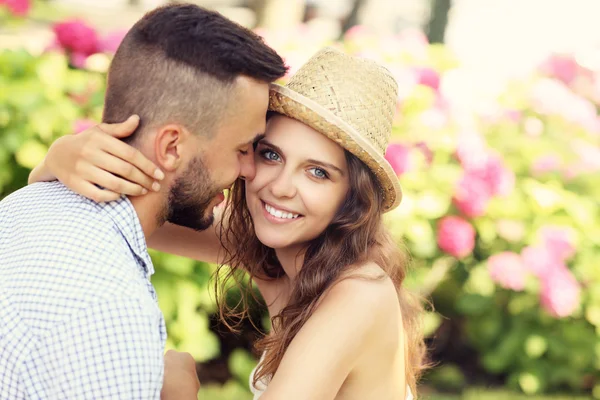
(148, 209)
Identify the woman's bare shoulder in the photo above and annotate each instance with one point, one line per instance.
(367, 288)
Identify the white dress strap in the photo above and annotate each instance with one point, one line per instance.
(260, 387)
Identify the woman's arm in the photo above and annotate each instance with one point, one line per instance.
(186, 242)
(96, 156)
(331, 343)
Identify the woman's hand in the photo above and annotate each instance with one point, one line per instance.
(96, 156)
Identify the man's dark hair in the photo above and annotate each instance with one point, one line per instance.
(178, 64)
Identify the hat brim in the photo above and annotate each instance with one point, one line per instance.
(287, 102)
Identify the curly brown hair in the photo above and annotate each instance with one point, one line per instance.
(355, 236)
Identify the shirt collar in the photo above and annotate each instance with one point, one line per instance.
(126, 220)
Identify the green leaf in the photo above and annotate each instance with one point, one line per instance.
(473, 304)
(530, 382)
(480, 282)
(448, 377)
(536, 346)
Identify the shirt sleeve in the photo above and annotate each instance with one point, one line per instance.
(109, 350)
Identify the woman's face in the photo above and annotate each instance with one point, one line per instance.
(301, 181)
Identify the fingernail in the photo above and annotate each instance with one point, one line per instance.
(158, 174)
(156, 186)
(144, 191)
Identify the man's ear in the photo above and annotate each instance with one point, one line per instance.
(168, 147)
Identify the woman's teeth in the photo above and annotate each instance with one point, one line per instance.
(280, 214)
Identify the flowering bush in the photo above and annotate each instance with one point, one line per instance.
(500, 208)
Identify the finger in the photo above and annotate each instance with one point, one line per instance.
(122, 129)
(92, 192)
(124, 169)
(113, 183)
(132, 155)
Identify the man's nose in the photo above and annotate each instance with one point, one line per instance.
(247, 168)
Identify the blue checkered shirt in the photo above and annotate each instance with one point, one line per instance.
(78, 315)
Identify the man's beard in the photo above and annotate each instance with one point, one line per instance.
(190, 197)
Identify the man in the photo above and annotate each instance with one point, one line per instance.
(78, 314)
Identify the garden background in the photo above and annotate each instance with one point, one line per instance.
(496, 144)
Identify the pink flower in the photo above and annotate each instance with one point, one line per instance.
(539, 260)
(414, 43)
(17, 7)
(81, 125)
(399, 157)
(406, 80)
(513, 115)
(426, 151)
(560, 294)
(412, 35)
(472, 196)
(471, 150)
(77, 37)
(561, 66)
(558, 241)
(508, 270)
(428, 77)
(589, 155)
(572, 171)
(550, 96)
(456, 236)
(545, 258)
(500, 179)
(357, 32)
(110, 43)
(78, 60)
(485, 176)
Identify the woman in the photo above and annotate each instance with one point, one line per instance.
(328, 270)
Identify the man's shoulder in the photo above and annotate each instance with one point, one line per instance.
(51, 206)
(43, 192)
(63, 246)
(44, 200)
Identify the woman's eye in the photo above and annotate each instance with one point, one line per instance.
(319, 173)
(270, 155)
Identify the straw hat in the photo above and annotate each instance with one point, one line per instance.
(351, 101)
